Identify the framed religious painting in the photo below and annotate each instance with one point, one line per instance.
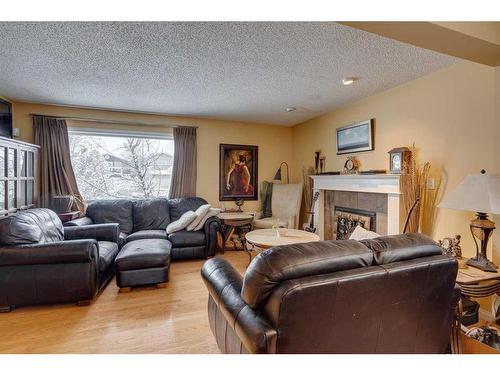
(238, 172)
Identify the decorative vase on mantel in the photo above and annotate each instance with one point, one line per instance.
(317, 154)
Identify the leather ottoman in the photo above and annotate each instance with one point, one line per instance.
(143, 262)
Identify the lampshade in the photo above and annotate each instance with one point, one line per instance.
(277, 176)
(477, 192)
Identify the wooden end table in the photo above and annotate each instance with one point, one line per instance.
(473, 283)
(238, 223)
(261, 239)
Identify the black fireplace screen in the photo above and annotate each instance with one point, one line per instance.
(347, 219)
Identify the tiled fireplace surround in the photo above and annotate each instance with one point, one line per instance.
(375, 193)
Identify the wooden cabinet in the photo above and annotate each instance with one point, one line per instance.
(18, 175)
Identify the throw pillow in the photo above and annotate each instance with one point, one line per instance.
(182, 222)
(200, 213)
(359, 233)
(212, 212)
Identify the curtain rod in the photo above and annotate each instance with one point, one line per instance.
(116, 122)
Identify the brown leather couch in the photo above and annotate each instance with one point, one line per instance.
(393, 294)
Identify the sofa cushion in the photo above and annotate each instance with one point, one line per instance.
(281, 263)
(145, 234)
(201, 212)
(112, 211)
(142, 254)
(151, 214)
(186, 238)
(37, 225)
(107, 254)
(180, 224)
(397, 248)
(179, 206)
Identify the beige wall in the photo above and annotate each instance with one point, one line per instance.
(274, 141)
(449, 115)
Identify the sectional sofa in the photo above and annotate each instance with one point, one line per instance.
(149, 218)
(42, 262)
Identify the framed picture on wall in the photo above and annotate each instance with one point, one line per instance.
(238, 172)
(356, 137)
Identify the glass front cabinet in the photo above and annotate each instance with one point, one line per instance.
(18, 175)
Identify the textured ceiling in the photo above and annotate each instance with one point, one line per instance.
(235, 71)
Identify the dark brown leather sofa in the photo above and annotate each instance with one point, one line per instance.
(393, 294)
(41, 262)
(148, 218)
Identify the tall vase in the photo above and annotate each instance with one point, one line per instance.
(316, 161)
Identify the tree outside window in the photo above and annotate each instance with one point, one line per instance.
(121, 167)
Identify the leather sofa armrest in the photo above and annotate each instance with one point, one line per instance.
(79, 222)
(99, 232)
(224, 284)
(212, 226)
(77, 251)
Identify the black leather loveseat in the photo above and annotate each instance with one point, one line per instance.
(41, 262)
(148, 219)
(392, 294)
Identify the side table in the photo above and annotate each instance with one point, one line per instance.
(239, 223)
(68, 216)
(473, 283)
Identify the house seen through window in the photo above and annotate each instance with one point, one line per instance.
(111, 165)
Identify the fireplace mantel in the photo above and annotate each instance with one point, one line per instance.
(377, 183)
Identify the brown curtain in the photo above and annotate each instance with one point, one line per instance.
(184, 170)
(56, 172)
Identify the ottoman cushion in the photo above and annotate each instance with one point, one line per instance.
(147, 234)
(141, 254)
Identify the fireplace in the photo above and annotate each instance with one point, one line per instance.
(370, 200)
(346, 219)
(343, 210)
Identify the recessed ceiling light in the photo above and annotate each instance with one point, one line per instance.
(290, 109)
(349, 80)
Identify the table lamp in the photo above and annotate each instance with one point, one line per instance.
(479, 193)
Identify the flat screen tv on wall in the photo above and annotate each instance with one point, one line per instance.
(5, 119)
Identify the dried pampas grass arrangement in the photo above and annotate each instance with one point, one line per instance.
(416, 195)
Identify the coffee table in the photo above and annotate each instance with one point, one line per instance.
(261, 239)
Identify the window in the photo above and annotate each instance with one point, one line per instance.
(110, 164)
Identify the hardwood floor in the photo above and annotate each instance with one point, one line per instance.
(146, 320)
